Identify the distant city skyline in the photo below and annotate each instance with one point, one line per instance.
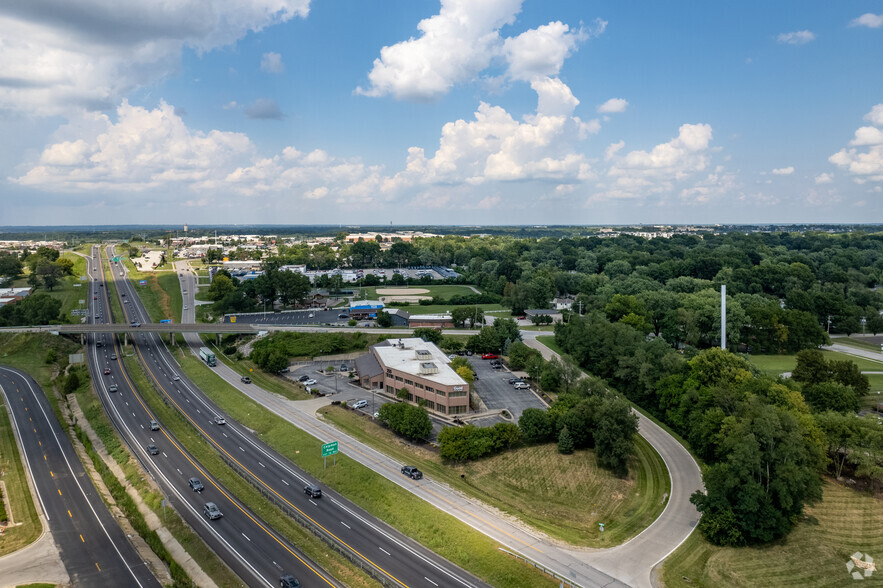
(518, 112)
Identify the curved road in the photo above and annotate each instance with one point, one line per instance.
(631, 563)
(92, 546)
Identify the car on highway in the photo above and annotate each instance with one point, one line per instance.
(113, 388)
(288, 581)
(113, 355)
(219, 420)
(95, 298)
(313, 491)
(245, 380)
(154, 426)
(97, 316)
(303, 378)
(412, 472)
(99, 344)
(123, 294)
(106, 371)
(309, 382)
(360, 403)
(212, 511)
(153, 449)
(134, 324)
(176, 378)
(489, 356)
(522, 386)
(196, 484)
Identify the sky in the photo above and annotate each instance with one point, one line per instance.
(440, 112)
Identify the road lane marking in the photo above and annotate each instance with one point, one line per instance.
(430, 581)
(246, 536)
(286, 483)
(384, 551)
(345, 525)
(59, 491)
(97, 566)
(81, 538)
(69, 514)
(313, 503)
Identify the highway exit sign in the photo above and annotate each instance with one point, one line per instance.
(329, 449)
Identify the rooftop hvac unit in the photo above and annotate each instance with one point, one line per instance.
(428, 368)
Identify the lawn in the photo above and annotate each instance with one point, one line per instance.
(442, 308)
(814, 554)
(857, 342)
(565, 496)
(777, 364)
(70, 290)
(440, 532)
(161, 295)
(270, 382)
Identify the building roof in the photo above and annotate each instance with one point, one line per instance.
(431, 317)
(366, 304)
(367, 366)
(402, 355)
(399, 312)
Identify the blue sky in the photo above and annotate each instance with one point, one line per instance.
(466, 112)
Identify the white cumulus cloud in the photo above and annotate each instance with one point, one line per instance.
(541, 51)
(796, 38)
(272, 63)
(783, 171)
(824, 178)
(870, 20)
(864, 164)
(613, 105)
(61, 57)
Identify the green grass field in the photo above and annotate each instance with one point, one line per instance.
(442, 308)
(69, 290)
(161, 295)
(814, 554)
(777, 364)
(272, 383)
(565, 496)
(442, 533)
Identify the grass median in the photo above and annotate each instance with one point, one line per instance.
(565, 496)
(814, 554)
(18, 493)
(195, 444)
(160, 294)
(435, 529)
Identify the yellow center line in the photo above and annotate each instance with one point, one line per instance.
(59, 491)
(51, 474)
(187, 457)
(97, 566)
(81, 538)
(69, 514)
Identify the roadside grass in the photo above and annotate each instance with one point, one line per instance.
(69, 290)
(442, 291)
(18, 493)
(815, 553)
(161, 295)
(857, 342)
(272, 383)
(439, 531)
(564, 496)
(777, 364)
(38, 585)
(209, 458)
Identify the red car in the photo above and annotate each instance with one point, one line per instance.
(522, 318)
(106, 371)
(488, 356)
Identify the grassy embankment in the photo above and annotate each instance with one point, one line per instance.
(813, 554)
(565, 496)
(440, 532)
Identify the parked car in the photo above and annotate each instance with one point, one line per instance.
(343, 368)
(313, 491)
(522, 318)
(196, 484)
(488, 356)
(309, 382)
(113, 387)
(288, 581)
(360, 404)
(469, 353)
(496, 366)
(245, 380)
(343, 315)
(219, 420)
(522, 386)
(153, 449)
(514, 381)
(154, 426)
(303, 378)
(212, 511)
(412, 472)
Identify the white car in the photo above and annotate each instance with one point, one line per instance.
(360, 404)
(522, 386)
(310, 382)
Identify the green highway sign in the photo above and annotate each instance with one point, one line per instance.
(329, 449)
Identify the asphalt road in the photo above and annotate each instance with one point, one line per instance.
(92, 546)
(396, 557)
(247, 544)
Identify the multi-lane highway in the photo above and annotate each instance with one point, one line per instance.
(248, 545)
(391, 556)
(92, 546)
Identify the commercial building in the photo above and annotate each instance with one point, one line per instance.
(418, 367)
(436, 321)
(399, 317)
(361, 309)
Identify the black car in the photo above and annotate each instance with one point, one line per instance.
(245, 380)
(313, 491)
(514, 381)
(288, 581)
(412, 472)
(196, 484)
(303, 378)
(343, 315)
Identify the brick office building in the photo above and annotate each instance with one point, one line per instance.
(419, 367)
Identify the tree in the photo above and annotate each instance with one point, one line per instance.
(407, 420)
(536, 425)
(831, 396)
(428, 334)
(615, 434)
(36, 309)
(842, 434)
(293, 287)
(811, 367)
(71, 383)
(565, 441)
(220, 287)
(451, 344)
(383, 319)
(461, 314)
(874, 324)
(10, 265)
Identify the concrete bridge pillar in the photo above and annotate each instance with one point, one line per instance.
(125, 339)
(171, 338)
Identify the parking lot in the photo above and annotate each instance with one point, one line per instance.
(497, 393)
(291, 317)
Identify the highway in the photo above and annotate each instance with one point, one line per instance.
(91, 544)
(393, 557)
(247, 544)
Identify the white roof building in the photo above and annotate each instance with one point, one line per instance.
(419, 358)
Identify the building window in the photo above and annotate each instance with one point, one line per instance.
(409, 382)
(441, 392)
(429, 389)
(458, 394)
(390, 390)
(399, 379)
(418, 385)
(410, 397)
(457, 409)
(430, 405)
